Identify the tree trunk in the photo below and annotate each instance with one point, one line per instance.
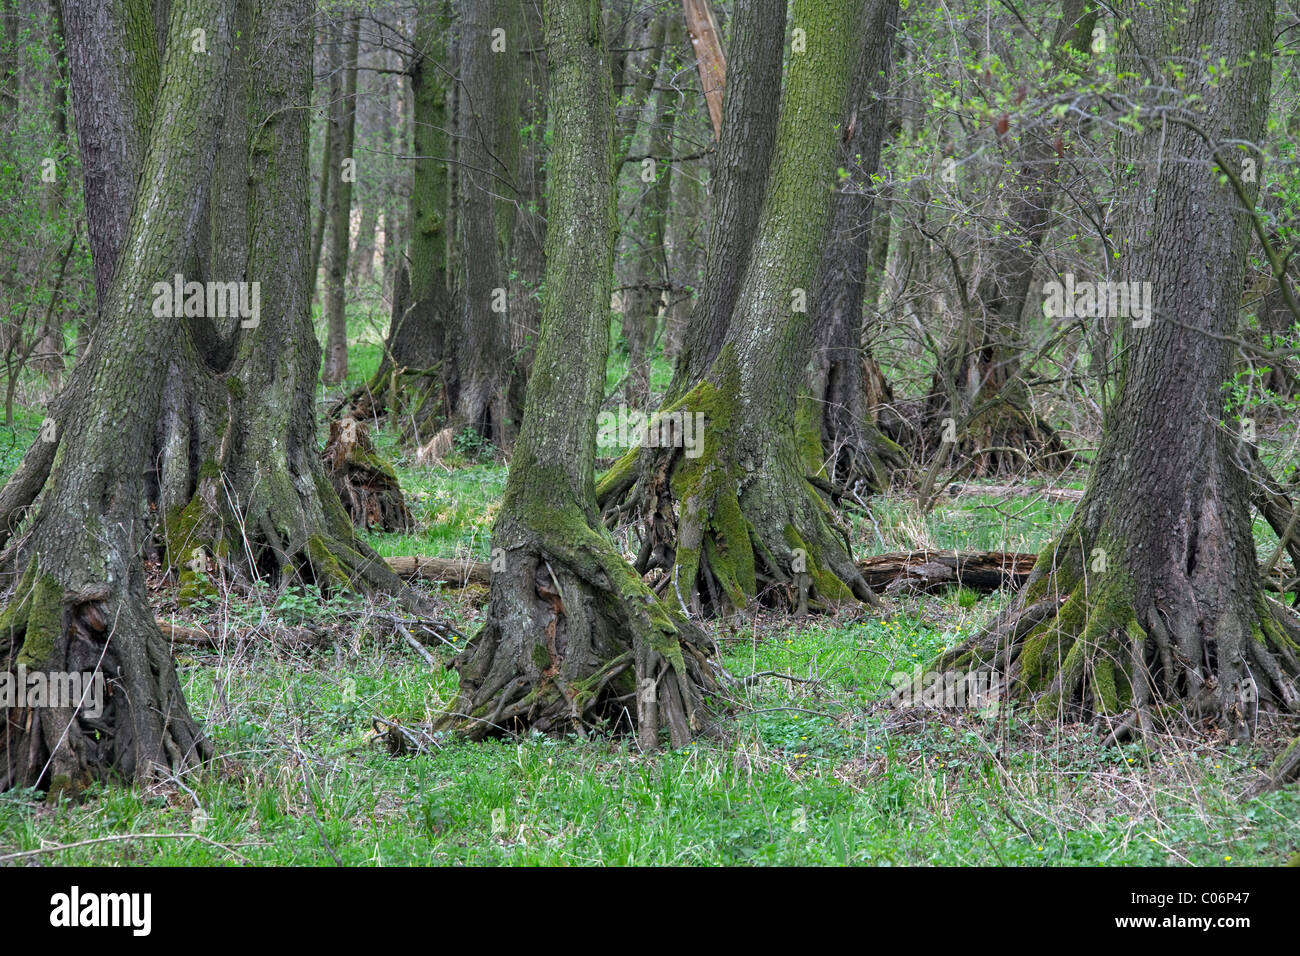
(527, 243)
(243, 491)
(736, 513)
(687, 227)
(80, 604)
(417, 375)
(343, 122)
(491, 38)
(1148, 607)
(751, 103)
(856, 456)
(331, 53)
(113, 72)
(648, 272)
(572, 634)
(363, 256)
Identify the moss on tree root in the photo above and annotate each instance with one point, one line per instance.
(574, 639)
(1076, 645)
(135, 723)
(726, 533)
(281, 536)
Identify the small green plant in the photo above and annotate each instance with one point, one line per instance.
(472, 446)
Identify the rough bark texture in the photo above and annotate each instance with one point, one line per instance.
(739, 516)
(78, 599)
(343, 125)
(1148, 607)
(243, 493)
(113, 72)
(750, 108)
(856, 456)
(527, 244)
(364, 482)
(688, 225)
(492, 34)
(647, 263)
(417, 376)
(572, 635)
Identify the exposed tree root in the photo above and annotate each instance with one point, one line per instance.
(411, 400)
(1000, 438)
(284, 525)
(134, 726)
(722, 531)
(1285, 769)
(483, 408)
(857, 456)
(1080, 643)
(574, 640)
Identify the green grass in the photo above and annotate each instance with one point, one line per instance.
(808, 768)
(808, 773)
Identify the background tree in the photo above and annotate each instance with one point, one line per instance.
(78, 603)
(856, 455)
(571, 629)
(492, 43)
(1150, 596)
(342, 173)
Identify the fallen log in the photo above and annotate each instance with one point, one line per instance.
(1014, 491)
(458, 573)
(978, 570)
(930, 570)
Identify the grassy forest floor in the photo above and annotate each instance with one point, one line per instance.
(814, 771)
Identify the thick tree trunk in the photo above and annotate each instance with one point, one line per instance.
(79, 604)
(751, 103)
(527, 244)
(113, 72)
(113, 75)
(572, 635)
(856, 456)
(243, 491)
(1148, 607)
(736, 513)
